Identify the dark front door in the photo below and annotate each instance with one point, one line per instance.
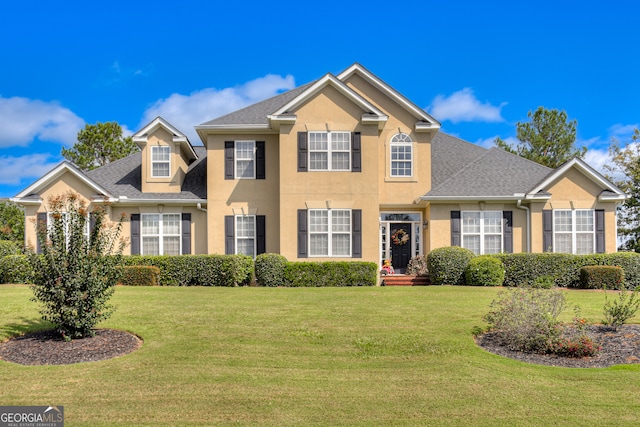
(400, 246)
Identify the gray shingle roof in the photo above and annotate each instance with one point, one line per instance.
(123, 178)
(496, 173)
(257, 113)
(449, 155)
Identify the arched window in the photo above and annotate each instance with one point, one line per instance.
(401, 155)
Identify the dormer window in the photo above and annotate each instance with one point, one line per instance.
(160, 161)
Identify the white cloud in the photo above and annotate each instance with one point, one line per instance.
(32, 166)
(623, 132)
(463, 106)
(597, 158)
(187, 111)
(22, 120)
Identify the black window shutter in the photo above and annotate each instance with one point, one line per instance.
(261, 234)
(507, 232)
(229, 235)
(303, 237)
(302, 151)
(600, 246)
(186, 234)
(356, 233)
(135, 234)
(547, 230)
(41, 227)
(356, 152)
(229, 160)
(456, 235)
(260, 160)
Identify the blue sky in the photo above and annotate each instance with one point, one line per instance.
(478, 67)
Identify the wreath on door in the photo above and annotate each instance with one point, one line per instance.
(399, 237)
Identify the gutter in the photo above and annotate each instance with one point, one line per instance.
(519, 206)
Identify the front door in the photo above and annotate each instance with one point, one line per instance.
(400, 246)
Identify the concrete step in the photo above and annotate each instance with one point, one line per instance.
(402, 280)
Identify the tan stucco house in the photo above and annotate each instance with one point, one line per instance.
(342, 168)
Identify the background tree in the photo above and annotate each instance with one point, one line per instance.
(11, 222)
(548, 138)
(98, 145)
(625, 173)
(76, 273)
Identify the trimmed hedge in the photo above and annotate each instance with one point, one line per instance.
(270, 269)
(16, 269)
(198, 270)
(140, 275)
(8, 247)
(447, 265)
(601, 277)
(485, 270)
(525, 268)
(331, 273)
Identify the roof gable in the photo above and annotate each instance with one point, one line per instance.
(55, 174)
(426, 121)
(610, 191)
(179, 138)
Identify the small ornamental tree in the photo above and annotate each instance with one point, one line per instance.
(79, 266)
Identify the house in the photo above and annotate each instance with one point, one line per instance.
(342, 168)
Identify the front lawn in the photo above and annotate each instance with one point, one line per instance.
(328, 356)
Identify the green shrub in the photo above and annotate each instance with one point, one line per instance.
(198, 270)
(484, 271)
(623, 308)
(601, 277)
(270, 269)
(320, 274)
(525, 268)
(417, 266)
(15, 269)
(447, 265)
(140, 275)
(543, 282)
(8, 247)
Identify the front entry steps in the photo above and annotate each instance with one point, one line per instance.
(402, 280)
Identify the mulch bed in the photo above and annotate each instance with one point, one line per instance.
(48, 347)
(619, 347)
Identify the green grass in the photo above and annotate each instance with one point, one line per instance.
(313, 356)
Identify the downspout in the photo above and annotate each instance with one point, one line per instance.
(200, 208)
(519, 206)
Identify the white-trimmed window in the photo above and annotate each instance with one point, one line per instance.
(401, 155)
(574, 231)
(245, 158)
(245, 235)
(329, 151)
(160, 161)
(482, 231)
(66, 224)
(330, 232)
(161, 234)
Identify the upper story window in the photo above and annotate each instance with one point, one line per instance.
(574, 231)
(160, 161)
(330, 151)
(160, 234)
(482, 231)
(401, 155)
(245, 158)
